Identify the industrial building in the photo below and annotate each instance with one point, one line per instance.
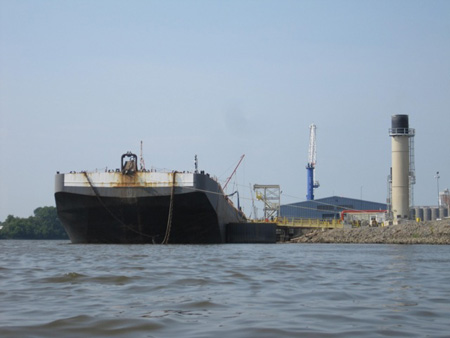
(327, 208)
(401, 180)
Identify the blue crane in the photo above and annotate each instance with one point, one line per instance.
(311, 184)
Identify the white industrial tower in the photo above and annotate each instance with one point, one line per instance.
(402, 169)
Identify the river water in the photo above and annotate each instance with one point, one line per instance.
(58, 289)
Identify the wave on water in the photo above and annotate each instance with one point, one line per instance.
(87, 326)
(290, 290)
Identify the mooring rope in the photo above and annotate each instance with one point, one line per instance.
(169, 218)
(109, 211)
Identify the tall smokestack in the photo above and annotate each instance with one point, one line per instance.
(400, 134)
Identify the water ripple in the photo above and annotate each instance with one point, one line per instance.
(50, 288)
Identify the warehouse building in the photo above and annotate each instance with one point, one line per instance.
(327, 208)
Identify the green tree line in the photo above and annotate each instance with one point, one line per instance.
(43, 225)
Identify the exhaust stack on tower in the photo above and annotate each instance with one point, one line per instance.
(400, 134)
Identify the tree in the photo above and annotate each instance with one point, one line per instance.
(43, 225)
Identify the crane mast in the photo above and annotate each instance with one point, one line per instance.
(311, 184)
(312, 146)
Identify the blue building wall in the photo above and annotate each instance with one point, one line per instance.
(327, 208)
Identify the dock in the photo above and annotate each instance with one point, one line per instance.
(278, 230)
(290, 228)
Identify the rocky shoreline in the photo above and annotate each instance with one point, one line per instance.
(430, 232)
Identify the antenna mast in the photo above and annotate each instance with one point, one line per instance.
(142, 163)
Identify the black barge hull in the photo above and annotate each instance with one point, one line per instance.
(140, 215)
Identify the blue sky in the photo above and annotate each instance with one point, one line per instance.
(81, 82)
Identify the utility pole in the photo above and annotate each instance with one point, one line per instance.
(437, 180)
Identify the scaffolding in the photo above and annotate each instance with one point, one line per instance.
(270, 196)
(412, 170)
(389, 195)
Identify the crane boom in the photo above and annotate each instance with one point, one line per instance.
(229, 178)
(312, 146)
(310, 167)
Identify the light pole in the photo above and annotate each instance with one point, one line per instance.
(361, 198)
(437, 180)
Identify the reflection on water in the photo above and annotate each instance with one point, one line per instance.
(52, 288)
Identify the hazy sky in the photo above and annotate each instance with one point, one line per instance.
(82, 82)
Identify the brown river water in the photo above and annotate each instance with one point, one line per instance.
(58, 289)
